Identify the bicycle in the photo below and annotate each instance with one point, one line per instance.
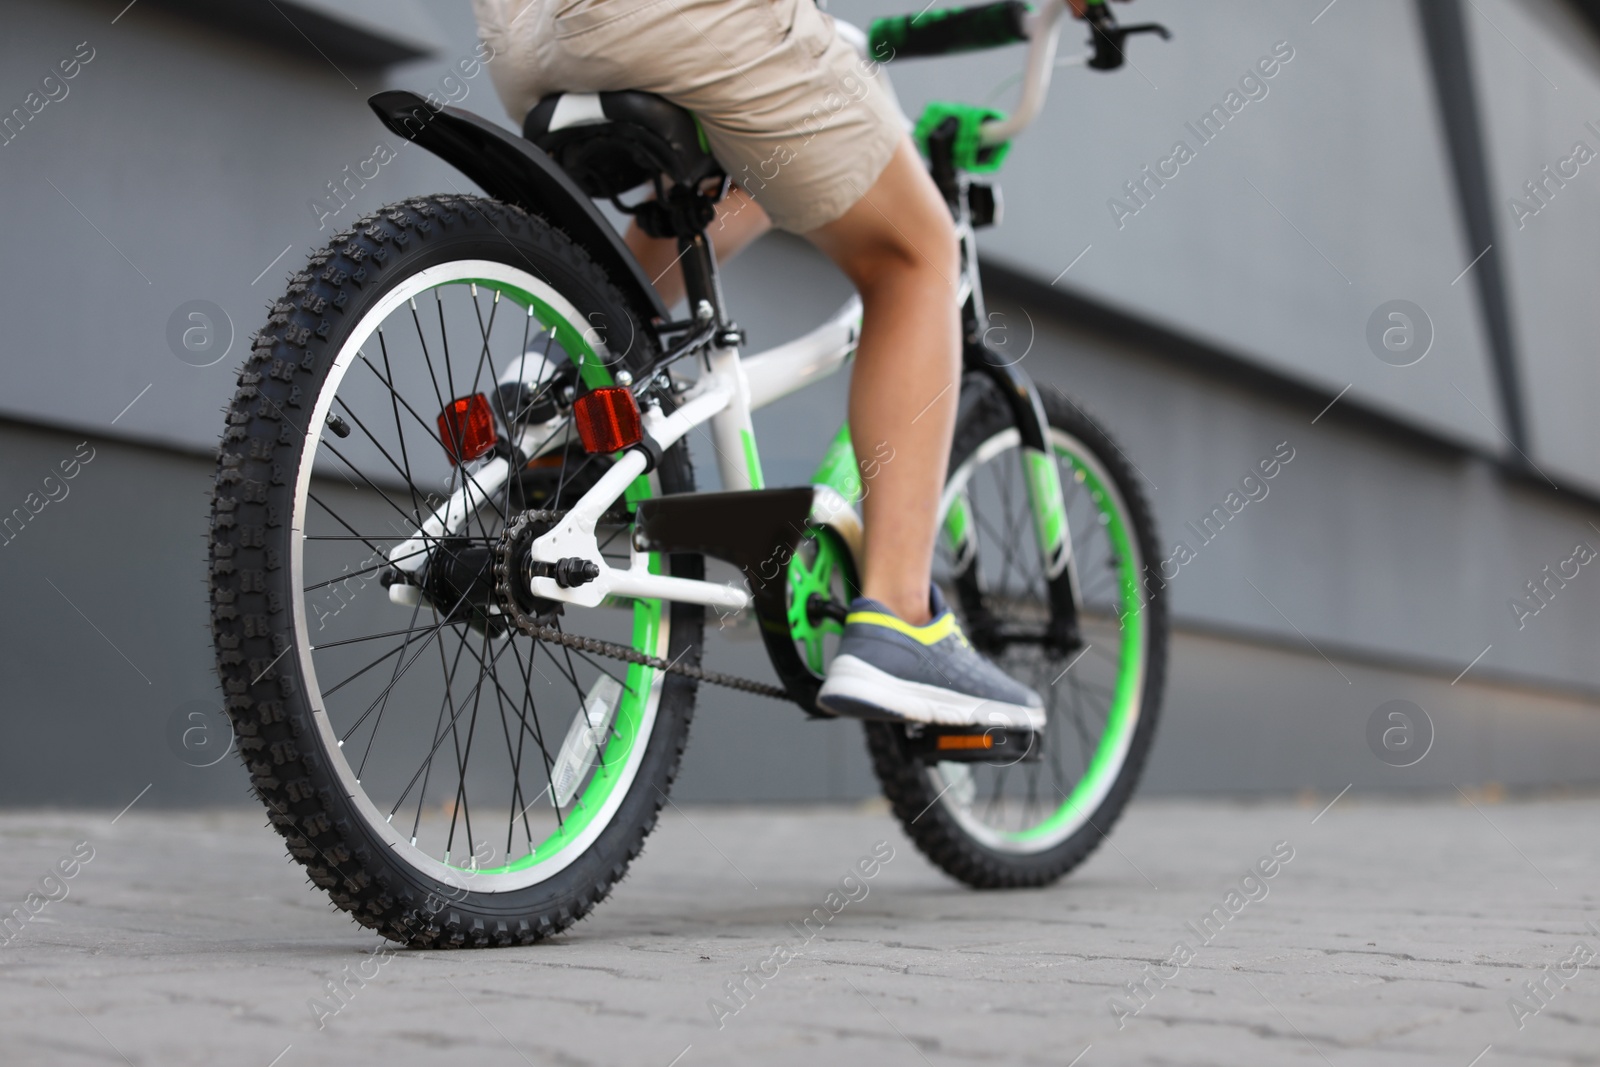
(460, 443)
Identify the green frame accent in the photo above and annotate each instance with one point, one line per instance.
(838, 469)
(1044, 487)
(752, 460)
(840, 472)
(957, 524)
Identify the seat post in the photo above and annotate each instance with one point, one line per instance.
(688, 212)
(701, 278)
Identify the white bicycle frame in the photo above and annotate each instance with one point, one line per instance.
(728, 389)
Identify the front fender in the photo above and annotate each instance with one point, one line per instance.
(513, 170)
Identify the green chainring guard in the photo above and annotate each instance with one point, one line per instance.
(817, 577)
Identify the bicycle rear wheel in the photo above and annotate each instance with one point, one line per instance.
(1003, 823)
(446, 778)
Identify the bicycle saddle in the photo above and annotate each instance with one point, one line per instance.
(611, 142)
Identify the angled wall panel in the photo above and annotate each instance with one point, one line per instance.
(1318, 202)
(1540, 67)
(180, 166)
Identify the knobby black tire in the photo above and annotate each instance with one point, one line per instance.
(252, 594)
(916, 805)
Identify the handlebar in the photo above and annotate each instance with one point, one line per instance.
(950, 30)
(1107, 36)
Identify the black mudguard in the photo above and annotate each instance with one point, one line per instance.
(513, 170)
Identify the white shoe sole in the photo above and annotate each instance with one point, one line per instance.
(857, 689)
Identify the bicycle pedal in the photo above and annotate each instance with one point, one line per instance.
(997, 745)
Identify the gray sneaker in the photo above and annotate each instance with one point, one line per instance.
(889, 670)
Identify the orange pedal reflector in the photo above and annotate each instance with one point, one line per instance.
(466, 428)
(950, 741)
(608, 419)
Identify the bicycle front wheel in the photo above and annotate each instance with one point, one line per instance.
(448, 779)
(1006, 824)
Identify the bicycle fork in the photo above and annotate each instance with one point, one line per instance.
(1040, 474)
(841, 471)
(1046, 503)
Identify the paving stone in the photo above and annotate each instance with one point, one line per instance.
(1395, 935)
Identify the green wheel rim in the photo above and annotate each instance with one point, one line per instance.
(1123, 717)
(1106, 756)
(604, 789)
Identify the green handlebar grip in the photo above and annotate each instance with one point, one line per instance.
(948, 30)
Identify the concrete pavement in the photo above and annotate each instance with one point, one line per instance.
(1386, 933)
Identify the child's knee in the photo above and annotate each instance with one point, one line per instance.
(930, 247)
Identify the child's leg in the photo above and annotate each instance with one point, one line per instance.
(898, 245)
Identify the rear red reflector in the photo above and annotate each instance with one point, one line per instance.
(608, 419)
(466, 428)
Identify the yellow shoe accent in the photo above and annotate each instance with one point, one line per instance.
(931, 634)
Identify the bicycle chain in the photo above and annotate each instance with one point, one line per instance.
(528, 624)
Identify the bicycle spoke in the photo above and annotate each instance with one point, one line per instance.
(397, 649)
(399, 428)
(340, 578)
(431, 435)
(515, 752)
(438, 736)
(463, 805)
(537, 736)
(1080, 726)
(370, 637)
(483, 353)
(391, 664)
(428, 759)
(368, 537)
(376, 723)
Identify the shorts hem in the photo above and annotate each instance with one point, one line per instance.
(820, 212)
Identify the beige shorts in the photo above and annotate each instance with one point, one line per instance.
(793, 113)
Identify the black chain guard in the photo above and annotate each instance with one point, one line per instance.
(759, 532)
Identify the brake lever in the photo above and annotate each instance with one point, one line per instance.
(1107, 37)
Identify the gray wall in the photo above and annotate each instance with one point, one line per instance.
(179, 167)
(1315, 204)
(1253, 706)
(1383, 562)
